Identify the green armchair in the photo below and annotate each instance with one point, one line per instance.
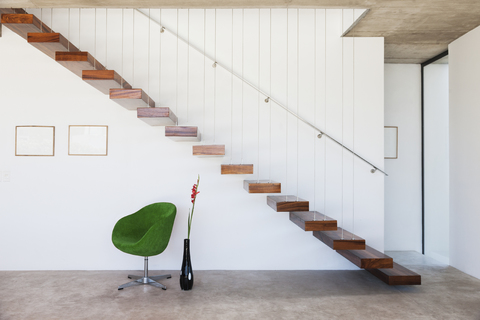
(145, 233)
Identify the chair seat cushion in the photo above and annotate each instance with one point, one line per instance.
(145, 232)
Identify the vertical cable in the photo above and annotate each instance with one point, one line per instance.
(215, 80)
(95, 41)
(133, 47)
(258, 102)
(106, 38)
(204, 63)
(315, 114)
(176, 71)
(188, 60)
(270, 93)
(243, 63)
(231, 103)
(286, 121)
(123, 18)
(325, 125)
(341, 29)
(353, 128)
(148, 58)
(41, 21)
(298, 87)
(68, 41)
(160, 59)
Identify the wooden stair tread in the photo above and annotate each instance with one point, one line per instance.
(36, 32)
(398, 275)
(182, 133)
(131, 99)
(77, 61)
(368, 258)
(237, 169)
(287, 203)
(48, 43)
(313, 221)
(104, 80)
(209, 150)
(17, 18)
(262, 186)
(22, 23)
(161, 116)
(334, 240)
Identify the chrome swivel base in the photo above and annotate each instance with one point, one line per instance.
(139, 280)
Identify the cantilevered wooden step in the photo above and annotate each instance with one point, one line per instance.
(237, 169)
(368, 258)
(19, 23)
(76, 61)
(179, 133)
(313, 221)
(161, 116)
(287, 203)
(398, 275)
(262, 186)
(48, 43)
(104, 80)
(131, 99)
(209, 150)
(340, 241)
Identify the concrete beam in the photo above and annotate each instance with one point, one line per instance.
(414, 30)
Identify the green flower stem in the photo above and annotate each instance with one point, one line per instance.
(190, 214)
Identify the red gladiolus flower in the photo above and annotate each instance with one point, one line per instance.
(193, 198)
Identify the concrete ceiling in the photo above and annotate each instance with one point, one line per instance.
(414, 30)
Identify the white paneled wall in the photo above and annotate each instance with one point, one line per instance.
(295, 56)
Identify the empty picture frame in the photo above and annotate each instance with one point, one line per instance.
(87, 140)
(34, 141)
(391, 142)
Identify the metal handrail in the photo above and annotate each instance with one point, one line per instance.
(268, 98)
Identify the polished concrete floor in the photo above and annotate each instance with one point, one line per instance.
(446, 293)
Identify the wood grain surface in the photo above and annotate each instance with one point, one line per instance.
(398, 275)
(237, 169)
(313, 221)
(287, 203)
(262, 186)
(368, 258)
(209, 150)
(179, 131)
(334, 240)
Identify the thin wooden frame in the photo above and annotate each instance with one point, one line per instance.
(391, 142)
(34, 141)
(91, 144)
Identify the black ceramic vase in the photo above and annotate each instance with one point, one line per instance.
(186, 274)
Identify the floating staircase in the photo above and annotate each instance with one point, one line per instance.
(324, 228)
(350, 246)
(84, 65)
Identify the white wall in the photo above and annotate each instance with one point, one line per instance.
(436, 166)
(464, 70)
(58, 212)
(403, 186)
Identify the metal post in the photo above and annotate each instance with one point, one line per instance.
(145, 271)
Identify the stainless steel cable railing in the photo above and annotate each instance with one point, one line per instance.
(268, 98)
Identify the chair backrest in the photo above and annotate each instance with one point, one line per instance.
(147, 231)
